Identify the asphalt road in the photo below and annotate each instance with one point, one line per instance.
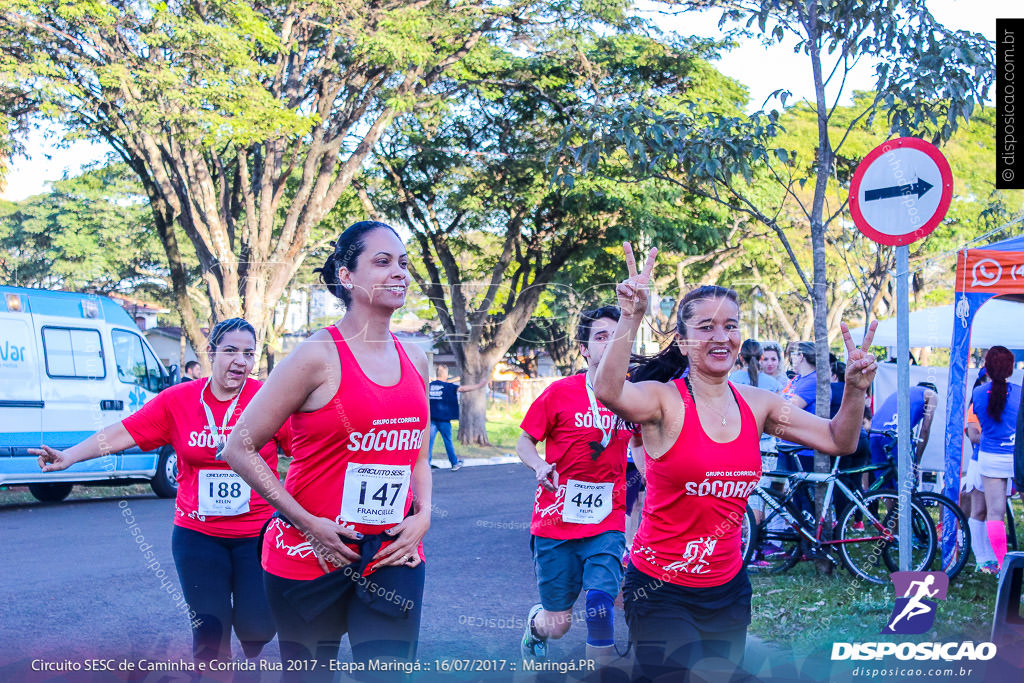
(74, 585)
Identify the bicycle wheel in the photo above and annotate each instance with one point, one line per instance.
(779, 545)
(748, 535)
(951, 532)
(870, 549)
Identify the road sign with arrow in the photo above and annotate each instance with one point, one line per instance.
(901, 191)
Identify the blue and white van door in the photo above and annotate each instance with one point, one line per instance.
(75, 383)
(140, 377)
(21, 402)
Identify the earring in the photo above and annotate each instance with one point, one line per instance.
(348, 285)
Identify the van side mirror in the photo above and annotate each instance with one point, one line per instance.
(170, 378)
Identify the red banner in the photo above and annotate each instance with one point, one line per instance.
(994, 272)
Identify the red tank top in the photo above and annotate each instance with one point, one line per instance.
(696, 496)
(353, 460)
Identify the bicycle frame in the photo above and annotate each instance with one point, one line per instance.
(831, 479)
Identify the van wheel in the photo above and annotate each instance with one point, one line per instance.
(50, 493)
(165, 483)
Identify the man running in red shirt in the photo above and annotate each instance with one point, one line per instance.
(578, 524)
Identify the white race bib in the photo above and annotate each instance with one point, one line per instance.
(586, 502)
(223, 493)
(375, 494)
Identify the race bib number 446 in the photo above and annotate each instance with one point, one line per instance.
(375, 494)
(586, 502)
(223, 493)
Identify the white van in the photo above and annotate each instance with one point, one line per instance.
(71, 364)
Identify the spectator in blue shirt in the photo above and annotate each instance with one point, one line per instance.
(444, 407)
(996, 404)
(802, 391)
(923, 400)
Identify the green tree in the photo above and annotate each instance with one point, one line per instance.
(93, 232)
(473, 185)
(928, 81)
(245, 122)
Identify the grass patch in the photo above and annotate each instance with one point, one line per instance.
(502, 431)
(19, 495)
(808, 612)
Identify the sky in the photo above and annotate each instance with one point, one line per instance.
(751, 63)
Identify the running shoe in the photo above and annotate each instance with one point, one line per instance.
(533, 647)
(761, 564)
(858, 526)
(771, 550)
(458, 465)
(990, 567)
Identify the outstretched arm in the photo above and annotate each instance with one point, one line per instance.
(638, 403)
(839, 435)
(111, 439)
(473, 387)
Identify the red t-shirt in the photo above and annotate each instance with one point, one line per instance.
(354, 459)
(697, 493)
(591, 495)
(211, 497)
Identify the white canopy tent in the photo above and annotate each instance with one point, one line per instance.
(998, 322)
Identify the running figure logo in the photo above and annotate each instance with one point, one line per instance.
(915, 610)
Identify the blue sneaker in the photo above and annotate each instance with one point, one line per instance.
(533, 647)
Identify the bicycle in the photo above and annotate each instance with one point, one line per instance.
(951, 527)
(789, 537)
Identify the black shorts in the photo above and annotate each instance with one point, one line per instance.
(676, 629)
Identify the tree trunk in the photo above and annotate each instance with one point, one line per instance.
(819, 289)
(473, 416)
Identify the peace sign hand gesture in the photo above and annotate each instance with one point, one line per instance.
(633, 292)
(861, 365)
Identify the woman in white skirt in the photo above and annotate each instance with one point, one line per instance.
(996, 405)
(972, 494)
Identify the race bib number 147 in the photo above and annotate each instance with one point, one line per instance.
(375, 494)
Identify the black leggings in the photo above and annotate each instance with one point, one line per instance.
(222, 581)
(677, 630)
(372, 635)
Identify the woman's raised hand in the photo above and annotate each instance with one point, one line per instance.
(861, 364)
(633, 292)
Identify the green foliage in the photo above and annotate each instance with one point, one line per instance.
(93, 232)
(247, 122)
(789, 171)
(473, 181)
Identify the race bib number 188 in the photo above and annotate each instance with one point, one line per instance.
(375, 494)
(223, 493)
(586, 502)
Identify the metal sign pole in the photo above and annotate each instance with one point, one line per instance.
(903, 404)
(900, 192)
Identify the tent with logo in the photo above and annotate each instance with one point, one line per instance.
(982, 274)
(999, 321)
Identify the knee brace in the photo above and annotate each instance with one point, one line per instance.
(600, 615)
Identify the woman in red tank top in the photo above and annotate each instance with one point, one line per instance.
(344, 554)
(686, 593)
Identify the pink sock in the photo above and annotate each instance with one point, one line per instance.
(997, 535)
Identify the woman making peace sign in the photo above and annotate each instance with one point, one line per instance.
(686, 593)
